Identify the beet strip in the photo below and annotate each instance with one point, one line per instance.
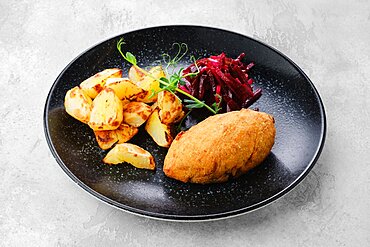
(255, 97)
(202, 86)
(231, 103)
(211, 81)
(217, 78)
(249, 66)
(194, 88)
(240, 74)
(240, 57)
(183, 88)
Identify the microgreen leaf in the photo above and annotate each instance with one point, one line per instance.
(164, 79)
(182, 82)
(193, 104)
(131, 58)
(189, 101)
(215, 105)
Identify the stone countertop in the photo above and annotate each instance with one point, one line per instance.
(41, 206)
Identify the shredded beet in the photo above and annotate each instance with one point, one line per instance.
(223, 76)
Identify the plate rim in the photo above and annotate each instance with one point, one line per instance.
(188, 218)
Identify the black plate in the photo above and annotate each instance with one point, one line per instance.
(288, 94)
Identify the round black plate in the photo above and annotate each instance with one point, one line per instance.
(287, 94)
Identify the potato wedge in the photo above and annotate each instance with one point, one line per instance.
(149, 84)
(94, 84)
(78, 104)
(154, 106)
(146, 97)
(107, 111)
(125, 132)
(135, 75)
(132, 154)
(136, 113)
(124, 88)
(170, 108)
(107, 138)
(160, 132)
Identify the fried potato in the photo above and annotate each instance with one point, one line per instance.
(136, 113)
(154, 106)
(131, 154)
(150, 84)
(149, 81)
(125, 132)
(170, 107)
(124, 88)
(160, 132)
(107, 138)
(78, 104)
(94, 84)
(135, 75)
(107, 111)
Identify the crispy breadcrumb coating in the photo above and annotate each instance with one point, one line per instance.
(222, 146)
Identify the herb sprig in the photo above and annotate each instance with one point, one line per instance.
(174, 79)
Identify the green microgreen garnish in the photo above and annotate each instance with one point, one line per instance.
(182, 49)
(191, 104)
(174, 78)
(217, 106)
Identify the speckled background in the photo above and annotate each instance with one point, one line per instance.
(40, 206)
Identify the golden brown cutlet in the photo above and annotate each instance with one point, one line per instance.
(222, 146)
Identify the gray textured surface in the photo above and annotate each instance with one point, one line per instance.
(40, 206)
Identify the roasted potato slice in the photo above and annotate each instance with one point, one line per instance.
(170, 108)
(94, 84)
(154, 106)
(124, 88)
(132, 154)
(78, 104)
(125, 132)
(107, 138)
(161, 133)
(107, 111)
(135, 75)
(146, 97)
(149, 84)
(136, 113)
